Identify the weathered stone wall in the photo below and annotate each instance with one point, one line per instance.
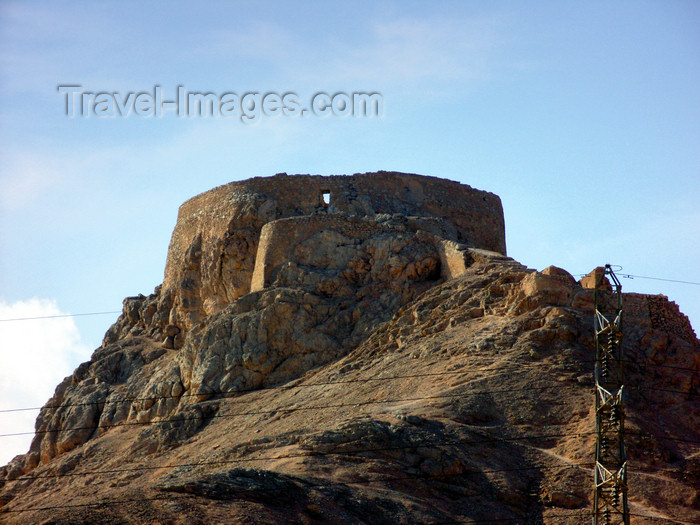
(656, 313)
(211, 258)
(454, 260)
(665, 315)
(282, 241)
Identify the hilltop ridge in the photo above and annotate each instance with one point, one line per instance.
(356, 349)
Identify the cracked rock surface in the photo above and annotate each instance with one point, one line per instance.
(364, 381)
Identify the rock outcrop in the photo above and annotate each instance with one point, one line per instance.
(377, 358)
(213, 251)
(265, 280)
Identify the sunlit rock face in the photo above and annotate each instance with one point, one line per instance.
(216, 242)
(357, 350)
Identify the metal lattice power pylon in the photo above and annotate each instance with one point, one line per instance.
(610, 476)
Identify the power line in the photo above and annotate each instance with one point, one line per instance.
(320, 407)
(625, 275)
(345, 452)
(305, 482)
(674, 520)
(276, 410)
(489, 439)
(629, 276)
(95, 504)
(317, 407)
(310, 408)
(57, 316)
(312, 484)
(645, 364)
(233, 393)
(412, 446)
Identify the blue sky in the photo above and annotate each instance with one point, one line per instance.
(583, 117)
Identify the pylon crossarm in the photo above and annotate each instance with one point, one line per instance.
(608, 397)
(605, 396)
(622, 474)
(601, 321)
(618, 320)
(611, 479)
(603, 474)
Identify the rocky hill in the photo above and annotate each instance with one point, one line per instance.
(357, 349)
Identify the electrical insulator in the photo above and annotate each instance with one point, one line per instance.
(605, 364)
(615, 413)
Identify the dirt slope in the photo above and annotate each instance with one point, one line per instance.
(473, 402)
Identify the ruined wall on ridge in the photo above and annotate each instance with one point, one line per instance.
(211, 258)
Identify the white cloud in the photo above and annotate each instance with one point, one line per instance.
(35, 355)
